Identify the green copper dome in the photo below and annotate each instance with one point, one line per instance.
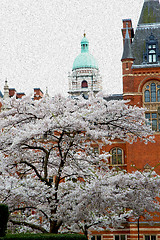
(85, 59)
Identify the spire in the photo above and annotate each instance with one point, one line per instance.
(127, 51)
(46, 94)
(127, 33)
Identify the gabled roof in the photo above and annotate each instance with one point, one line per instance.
(149, 23)
(150, 12)
(114, 97)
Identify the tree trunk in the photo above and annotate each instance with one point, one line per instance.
(54, 227)
(86, 231)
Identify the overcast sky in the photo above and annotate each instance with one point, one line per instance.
(39, 40)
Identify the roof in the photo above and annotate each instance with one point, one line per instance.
(84, 40)
(114, 97)
(150, 12)
(149, 22)
(127, 52)
(85, 59)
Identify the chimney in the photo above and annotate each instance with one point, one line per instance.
(12, 92)
(20, 95)
(38, 94)
(127, 22)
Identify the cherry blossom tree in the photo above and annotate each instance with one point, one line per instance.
(113, 197)
(47, 159)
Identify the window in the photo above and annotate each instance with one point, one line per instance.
(127, 65)
(153, 120)
(96, 237)
(152, 52)
(120, 237)
(147, 96)
(84, 84)
(116, 156)
(151, 96)
(152, 55)
(150, 237)
(152, 92)
(95, 150)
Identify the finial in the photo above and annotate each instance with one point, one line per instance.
(127, 33)
(84, 34)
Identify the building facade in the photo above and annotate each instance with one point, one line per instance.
(141, 85)
(10, 92)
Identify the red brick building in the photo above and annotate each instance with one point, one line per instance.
(141, 85)
(10, 92)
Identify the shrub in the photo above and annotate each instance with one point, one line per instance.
(4, 214)
(45, 237)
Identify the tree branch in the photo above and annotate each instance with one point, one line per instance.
(31, 225)
(37, 173)
(27, 207)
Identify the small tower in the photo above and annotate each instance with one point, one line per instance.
(85, 75)
(127, 61)
(6, 90)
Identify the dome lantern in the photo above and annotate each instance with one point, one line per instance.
(84, 44)
(85, 59)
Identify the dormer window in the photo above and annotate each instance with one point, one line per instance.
(152, 52)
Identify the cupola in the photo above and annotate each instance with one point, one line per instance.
(85, 59)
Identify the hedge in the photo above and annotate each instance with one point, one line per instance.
(45, 237)
(4, 214)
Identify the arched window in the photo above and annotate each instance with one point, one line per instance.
(84, 84)
(147, 96)
(152, 92)
(117, 156)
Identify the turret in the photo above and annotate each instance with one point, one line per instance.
(6, 90)
(127, 51)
